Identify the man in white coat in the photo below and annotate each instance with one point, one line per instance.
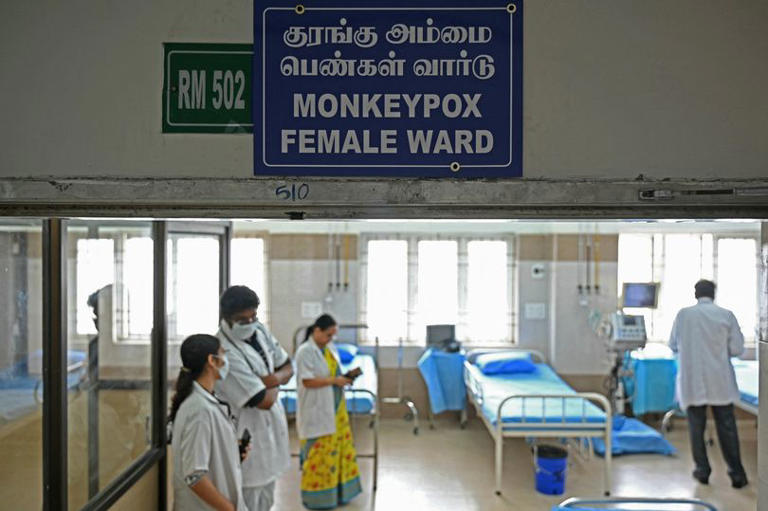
(705, 337)
(258, 365)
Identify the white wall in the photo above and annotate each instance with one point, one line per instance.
(613, 88)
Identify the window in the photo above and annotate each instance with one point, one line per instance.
(194, 285)
(120, 257)
(249, 269)
(488, 303)
(437, 291)
(95, 269)
(414, 282)
(677, 261)
(387, 290)
(137, 272)
(737, 281)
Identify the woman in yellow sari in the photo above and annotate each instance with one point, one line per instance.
(330, 475)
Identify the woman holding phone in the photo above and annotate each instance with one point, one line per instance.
(330, 475)
(206, 457)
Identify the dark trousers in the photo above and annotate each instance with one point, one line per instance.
(727, 435)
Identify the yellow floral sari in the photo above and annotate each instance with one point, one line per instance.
(330, 476)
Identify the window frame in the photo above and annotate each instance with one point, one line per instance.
(658, 263)
(413, 338)
(264, 305)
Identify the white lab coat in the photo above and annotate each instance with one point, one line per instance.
(270, 454)
(705, 336)
(204, 441)
(315, 413)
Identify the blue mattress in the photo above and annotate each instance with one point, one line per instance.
(544, 380)
(748, 379)
(357, 402)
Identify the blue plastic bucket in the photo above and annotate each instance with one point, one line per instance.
(551, 466)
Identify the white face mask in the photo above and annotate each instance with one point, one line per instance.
(243, 332)
(223, 370)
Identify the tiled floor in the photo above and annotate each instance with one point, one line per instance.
(449, 469)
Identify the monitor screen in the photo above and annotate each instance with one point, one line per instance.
(438, 333)
(630, 320)
(640, 294)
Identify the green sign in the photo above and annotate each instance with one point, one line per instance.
(207, 88)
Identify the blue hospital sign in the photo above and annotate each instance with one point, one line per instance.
(388, 89)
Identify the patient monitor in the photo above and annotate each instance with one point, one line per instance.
(628, 332)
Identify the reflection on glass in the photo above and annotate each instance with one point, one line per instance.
(109, 271)
(21, 440)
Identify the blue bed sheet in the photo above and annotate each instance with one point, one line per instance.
(542, 381)
(442, 373)
(630, 436)
(748, 379)
(357, 402)
(652, 385)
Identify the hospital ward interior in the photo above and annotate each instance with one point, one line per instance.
(383, 255)
(419, 304)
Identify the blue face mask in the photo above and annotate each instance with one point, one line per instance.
(224, 369)
(243, 331)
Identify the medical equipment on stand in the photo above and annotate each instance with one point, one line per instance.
(627, 333)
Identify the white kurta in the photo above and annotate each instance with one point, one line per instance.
(270, 454)
(315, 413)
(705, 336)
(204, 441)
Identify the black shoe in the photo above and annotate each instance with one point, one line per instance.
(703, 479)
(740, 482)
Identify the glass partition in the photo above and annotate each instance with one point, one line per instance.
(109, 293)
(21, 364)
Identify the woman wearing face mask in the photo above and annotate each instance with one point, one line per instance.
(206, 457)
(330, 476)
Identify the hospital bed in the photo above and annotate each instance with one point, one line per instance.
(748, 380)
(362, 396)
(648, 504)
(21, 395)
(538, 404)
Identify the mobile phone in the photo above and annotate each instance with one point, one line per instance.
(245, 441)
(354, 373)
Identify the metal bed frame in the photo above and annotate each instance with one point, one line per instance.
(561, 429)
(577, 502)
(747, 407)
(374, 413)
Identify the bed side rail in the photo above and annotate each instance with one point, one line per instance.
(472, 384)
(374, 408)
(579, 502)
(564, 399)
